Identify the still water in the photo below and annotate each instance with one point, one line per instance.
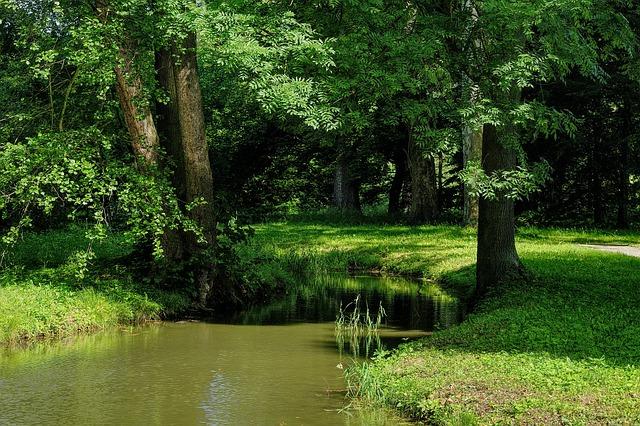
(270, 365)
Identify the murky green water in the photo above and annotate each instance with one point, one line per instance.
(271, 365)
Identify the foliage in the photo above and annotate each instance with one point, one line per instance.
(75, 173)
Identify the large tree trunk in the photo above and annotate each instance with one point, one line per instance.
(346, 189)
(182, 133)
(395, 191)
(422, 168)
(497, 256)
(198, 179)
(171, 141)
(471, 151)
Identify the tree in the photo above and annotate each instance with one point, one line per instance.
(522, 45)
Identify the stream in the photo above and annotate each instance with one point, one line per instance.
(278, 364)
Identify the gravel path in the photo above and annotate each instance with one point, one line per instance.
(628, 250)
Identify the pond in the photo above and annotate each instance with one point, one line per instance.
(277, 364)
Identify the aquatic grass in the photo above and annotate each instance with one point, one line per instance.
(359, 328)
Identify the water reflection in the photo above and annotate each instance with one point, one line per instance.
(410, 305)
(269, 365)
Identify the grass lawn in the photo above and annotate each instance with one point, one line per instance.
(42, 296)
(563, 347)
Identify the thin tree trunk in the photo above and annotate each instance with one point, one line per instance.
(422, 168)
(596, 183)
(440, 193)
(395, 191)
(472, 138)
(346, 189)
(623, 189)
(497, 256)
(623, 170)
(471, 151)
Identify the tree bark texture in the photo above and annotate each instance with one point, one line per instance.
(137, 114)
(422, 169)
(497, 258)
(198, 179)
(346, 188)
(171, 140)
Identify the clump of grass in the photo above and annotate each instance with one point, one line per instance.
(359, 328)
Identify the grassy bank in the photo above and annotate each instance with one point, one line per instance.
(44, 294)
(561, 348)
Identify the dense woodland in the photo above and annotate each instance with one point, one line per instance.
(177, 123)
(445, 178)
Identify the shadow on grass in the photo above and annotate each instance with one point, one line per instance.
(579, 306)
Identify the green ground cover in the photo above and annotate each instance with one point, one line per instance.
(44, 294)
(563, 347)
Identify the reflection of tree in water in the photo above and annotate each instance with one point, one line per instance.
(409, 305)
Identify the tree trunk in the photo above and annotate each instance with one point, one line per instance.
(471, 151)
(623, 170)
(440, 192)
(424, 203)
(135, 108)
(346, 189)
(171, 141)
(623, 185)
(395, 191)
(497, 256)
(137, 116)
(472, 138)
(596, 183)
(198, 179)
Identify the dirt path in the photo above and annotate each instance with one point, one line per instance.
(628, 250)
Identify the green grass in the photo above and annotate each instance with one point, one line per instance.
(563, 347)
(42, 297)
